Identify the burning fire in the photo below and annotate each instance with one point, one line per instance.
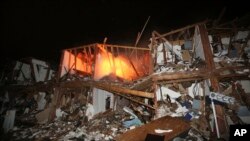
(107, 64)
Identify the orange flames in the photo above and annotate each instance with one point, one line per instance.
(107, 64)
(71, 63)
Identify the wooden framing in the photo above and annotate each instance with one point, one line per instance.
(210, 72)
(180, 29)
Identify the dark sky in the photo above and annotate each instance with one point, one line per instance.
(42, 28)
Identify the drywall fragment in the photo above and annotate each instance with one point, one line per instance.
(164, 91)
(129, 111)
(59, 113)
(195, 90)
(41, 101)
(90, 111)
(9, 120)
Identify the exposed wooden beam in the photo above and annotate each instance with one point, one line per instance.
(159, 35)
(136, 101)
(198, 75)
(180, 75)
(106, 86)
(214, 81)
(108, 45)
(180, 29)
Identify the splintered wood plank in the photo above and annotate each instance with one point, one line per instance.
(106, 86)
(214, 80)
(139, 134)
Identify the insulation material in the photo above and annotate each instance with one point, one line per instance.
(166, 91)
(9, 120)
(69, 64)
(100, 98)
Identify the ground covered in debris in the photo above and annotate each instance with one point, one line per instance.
(104, 126)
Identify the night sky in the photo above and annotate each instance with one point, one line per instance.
(42, 28)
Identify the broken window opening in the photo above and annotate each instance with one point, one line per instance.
(107, 102)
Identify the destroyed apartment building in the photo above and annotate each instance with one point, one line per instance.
(27, 71)
(190, 83)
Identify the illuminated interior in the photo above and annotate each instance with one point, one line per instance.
(102, 61)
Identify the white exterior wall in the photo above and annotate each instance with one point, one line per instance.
(24, 71)
(99, 100)
(41, 69)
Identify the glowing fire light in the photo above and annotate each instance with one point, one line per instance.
(107, 64)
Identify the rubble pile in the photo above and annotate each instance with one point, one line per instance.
(70, 122)
(47, 131)
(104, 126)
